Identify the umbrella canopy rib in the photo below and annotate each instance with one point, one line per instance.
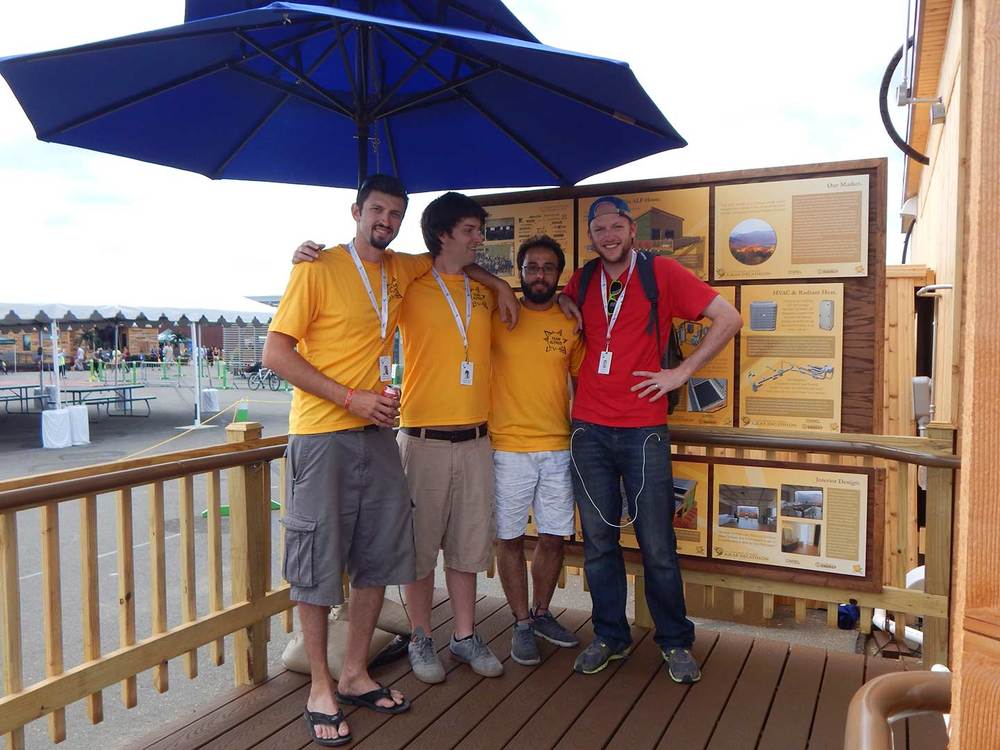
(291, 90)
(490, 116)
(299, 75)
(342, 42)
(162, 88)
(217, 173)
(406, 76)
(558, 90)
(419, 99)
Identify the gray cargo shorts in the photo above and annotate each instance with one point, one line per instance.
(348, 509)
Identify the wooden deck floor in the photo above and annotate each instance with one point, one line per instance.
(754, 694)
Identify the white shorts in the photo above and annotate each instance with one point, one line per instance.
(539, 482)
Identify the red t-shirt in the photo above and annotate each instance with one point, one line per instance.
(607, 399)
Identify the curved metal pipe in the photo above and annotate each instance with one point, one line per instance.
(889, 697)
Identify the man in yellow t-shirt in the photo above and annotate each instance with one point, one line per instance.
(348, 504)
(529, 427)
(443, 440)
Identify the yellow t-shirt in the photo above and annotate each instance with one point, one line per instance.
(433, 354)
(530, 400)
(326, 309)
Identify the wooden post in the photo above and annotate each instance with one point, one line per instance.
(246, 530)
(52, 611)
(90, 613)
(940, 487)
(10, 617)
(158, 580)
(189, 609)
(214, 516)
(126, 586)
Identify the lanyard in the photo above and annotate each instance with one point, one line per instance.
(383, 315)
(462, 329)
(613, 317)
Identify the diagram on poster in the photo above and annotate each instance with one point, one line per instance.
(793, 518)
(690, 510)
(791, 356)
(509, 225)
(708, 397)
(810, 228)
(668, 222)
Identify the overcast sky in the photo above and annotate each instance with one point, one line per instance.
(748, 84)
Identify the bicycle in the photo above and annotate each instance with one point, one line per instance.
(264, 378)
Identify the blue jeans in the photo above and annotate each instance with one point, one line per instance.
(604, 459)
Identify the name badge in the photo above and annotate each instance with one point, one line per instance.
(604, 363)
(385, 368)
(465, 373)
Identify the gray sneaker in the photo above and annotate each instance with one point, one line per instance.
(424, 658)
(596, 657)
(477, 655)
(546, 626)
(681, 665)
(523, 648)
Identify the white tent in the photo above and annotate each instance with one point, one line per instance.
(234, 310)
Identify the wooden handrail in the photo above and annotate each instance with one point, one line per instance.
(877, 702)
(46, 491)
(911, 450)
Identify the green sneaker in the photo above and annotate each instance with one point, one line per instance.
(596, 656)
(681, 665)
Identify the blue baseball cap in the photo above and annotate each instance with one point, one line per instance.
(619, 206)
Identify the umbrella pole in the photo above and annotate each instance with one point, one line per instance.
(363, 133)
(196, 345)
(55, 362)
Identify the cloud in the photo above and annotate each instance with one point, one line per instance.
(748, 84)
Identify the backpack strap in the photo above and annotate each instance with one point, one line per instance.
(586, 274)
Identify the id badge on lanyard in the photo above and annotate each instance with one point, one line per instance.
(604, 361)
(384, 361)
(466, 369)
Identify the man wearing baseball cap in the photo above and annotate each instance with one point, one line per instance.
(619, 437)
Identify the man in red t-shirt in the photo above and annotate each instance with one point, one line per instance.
(619, 434)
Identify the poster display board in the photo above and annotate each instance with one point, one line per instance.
(691, 503)
(799, 518)
(791, 356)
(791, 229)
(668, 222)
(709, 397)
(508, 225)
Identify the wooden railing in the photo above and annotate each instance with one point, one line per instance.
(246, 465)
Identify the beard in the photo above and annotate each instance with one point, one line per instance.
(380, 244)
(538, 292)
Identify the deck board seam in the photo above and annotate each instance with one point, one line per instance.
(732, 688)
(819, 695)
(682, 701)
(645, 687)
(774, 694)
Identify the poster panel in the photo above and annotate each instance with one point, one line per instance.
(508, 225)
(668, 222)
(709, 397)
(806, 519)
(811, 228)
(690, 510)
(791, 356)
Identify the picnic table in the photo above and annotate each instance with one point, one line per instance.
(19, 394)
(121, 396)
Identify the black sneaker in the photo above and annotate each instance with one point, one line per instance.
(546, 626)
(681, 665)
(523, 648)
(596, 656)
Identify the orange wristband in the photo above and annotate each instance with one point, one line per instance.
(347, 401)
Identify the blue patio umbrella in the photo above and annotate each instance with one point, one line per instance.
(317, 95)
(491, 16)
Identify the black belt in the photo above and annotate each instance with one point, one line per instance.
(366, 428)
(452, 436)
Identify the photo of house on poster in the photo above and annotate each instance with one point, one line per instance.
(792, 518)
(507, 226)
(708, 398)
(668, 222)
(690, 510)
(791, 356)
(792, 229)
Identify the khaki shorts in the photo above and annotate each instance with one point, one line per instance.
(452, 489)
(348, 510)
